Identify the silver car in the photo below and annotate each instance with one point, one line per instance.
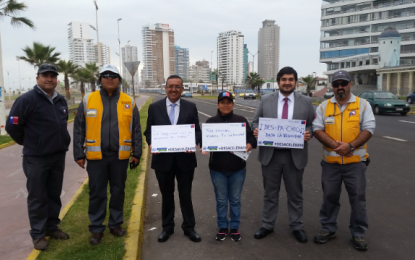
(328, 94)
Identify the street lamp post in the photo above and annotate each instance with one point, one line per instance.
(211, 74)
(253, 60)
(119, 43)
(98, 49)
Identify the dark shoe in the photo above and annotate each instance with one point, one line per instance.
(359, 243)
(164, 236)
(235, 235)
(222, 233)
(263, 232)
(118, 231)
(300, 235)
(57, 234)
(96, 238)
(40, 243)
(324, 236)
(194, 236)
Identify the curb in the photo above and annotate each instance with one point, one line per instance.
(7, 144)
(35, 253)
(134, 240)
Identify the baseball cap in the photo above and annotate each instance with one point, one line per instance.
(225, 95)
(341, 75)
(47, 67)
(109, 67)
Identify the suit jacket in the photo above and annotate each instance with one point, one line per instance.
(157, 115)
(303, 110)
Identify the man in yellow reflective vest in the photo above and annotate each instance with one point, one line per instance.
(343, 125)
(106, 132)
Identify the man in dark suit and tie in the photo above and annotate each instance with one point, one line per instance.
(168, 166)
(281, 163)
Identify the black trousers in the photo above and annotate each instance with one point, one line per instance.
(184, 185)
(44, 184)
(100, 172)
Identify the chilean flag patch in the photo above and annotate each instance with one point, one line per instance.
(14, 120)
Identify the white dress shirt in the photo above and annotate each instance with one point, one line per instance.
(281, 103)
(176, 109)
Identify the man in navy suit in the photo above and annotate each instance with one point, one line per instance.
(168, 166)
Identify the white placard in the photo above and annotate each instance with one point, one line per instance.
(172, 138)
(242, 155)
(224, 137)
(283, 133)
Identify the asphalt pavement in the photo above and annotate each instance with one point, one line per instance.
(390, 205)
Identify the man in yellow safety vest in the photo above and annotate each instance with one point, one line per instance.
(343, 125)
(106, 132)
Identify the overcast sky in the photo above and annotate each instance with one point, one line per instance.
(196, 24)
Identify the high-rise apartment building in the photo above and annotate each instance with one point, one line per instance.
(199, 72)
(269, 50)
(103, 54)
(181, 61)
(82, 49)
(230, 52)
(158, 53)
(129, 53)
(350, 33)
(245, 63)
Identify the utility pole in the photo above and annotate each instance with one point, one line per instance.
(98, 46)
(211, 74)
(20, 84)
(2, 105)
(119, 44)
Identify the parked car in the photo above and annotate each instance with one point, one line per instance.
(233, 94)
(266, 91)
(187, 94)
(249, 93)
(163, 92)
(385, 102)
(242, 94)
(329, 93)
(411, 98)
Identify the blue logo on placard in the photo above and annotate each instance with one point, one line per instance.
(213, 148)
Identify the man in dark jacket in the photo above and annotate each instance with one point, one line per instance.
(38, 121)
(108, 123)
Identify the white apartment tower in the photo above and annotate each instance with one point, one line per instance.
(199, 72)
(129, 53)
(158, 53)
(103, 54)
(81, 45)
(350, 33)
(269, 50)
(230, 49)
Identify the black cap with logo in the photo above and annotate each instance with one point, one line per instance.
(47, 67)
(341, 75)
(225, 95)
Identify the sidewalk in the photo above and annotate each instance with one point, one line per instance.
(14, 223)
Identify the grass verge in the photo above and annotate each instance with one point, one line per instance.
(76, 222)
(5, 139)
(206, 97)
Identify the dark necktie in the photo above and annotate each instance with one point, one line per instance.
(285, 109)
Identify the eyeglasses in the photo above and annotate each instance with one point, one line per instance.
(110, 75)
(174, 87)
(337, 84)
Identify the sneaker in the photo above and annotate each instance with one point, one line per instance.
(223, 232)
(235, 236)
(324, 236)
(359, 243)
(57, 234)
(40, 244)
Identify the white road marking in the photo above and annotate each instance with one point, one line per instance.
(14, 173)
(153, 228)
(394, 138)
(411, 122)
(154, 195)
(204, 114)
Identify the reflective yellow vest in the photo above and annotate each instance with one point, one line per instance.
(93, 110)
(346, 128)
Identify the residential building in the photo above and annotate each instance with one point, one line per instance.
(199, 72)
(129, 53)
(245, 63)
(181, 61)
(350, 32)
(230, 56)
(82, 49)
(158, 53)
(103, 54)
(268, 50)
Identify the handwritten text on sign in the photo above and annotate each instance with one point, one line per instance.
(224, 137)
(282, 133)
(172, 138)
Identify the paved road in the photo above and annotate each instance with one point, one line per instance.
(390, 203)
(15, 242)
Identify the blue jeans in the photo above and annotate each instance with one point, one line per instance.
(228, 187)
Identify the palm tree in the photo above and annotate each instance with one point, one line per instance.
(82, 76)
(40, 54)
(68, 69)
(95, 73)
(11, 8)
(254, 80)
(217, 74)
(309, 80)
(223, 79)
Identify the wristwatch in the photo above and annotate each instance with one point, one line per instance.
(351, 148)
